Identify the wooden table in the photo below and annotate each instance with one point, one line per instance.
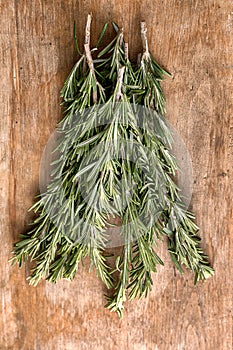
(193, 40)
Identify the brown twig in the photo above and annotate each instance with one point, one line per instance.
(88, 54)
(144, 40)
(121, 37)
(139, 59)
(119, 83)
(88, 29)
(126, 51)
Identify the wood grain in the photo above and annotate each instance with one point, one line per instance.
(193, 39)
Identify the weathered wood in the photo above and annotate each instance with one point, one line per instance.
(193, 39)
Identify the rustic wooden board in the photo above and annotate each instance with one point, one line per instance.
(193, 39)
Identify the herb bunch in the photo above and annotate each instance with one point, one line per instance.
(113, 161)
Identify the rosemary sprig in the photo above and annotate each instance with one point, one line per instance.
(113, 160)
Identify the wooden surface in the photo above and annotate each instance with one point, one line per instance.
(193, 40)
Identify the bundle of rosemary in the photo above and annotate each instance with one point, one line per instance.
(113, 160)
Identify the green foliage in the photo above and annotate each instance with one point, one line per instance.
(113, 160)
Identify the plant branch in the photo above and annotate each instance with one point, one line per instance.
(126, 51)
(119, 83)
(144, 40)
(88, 54)
(139, 59)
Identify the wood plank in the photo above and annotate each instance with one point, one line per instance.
(193, 40)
